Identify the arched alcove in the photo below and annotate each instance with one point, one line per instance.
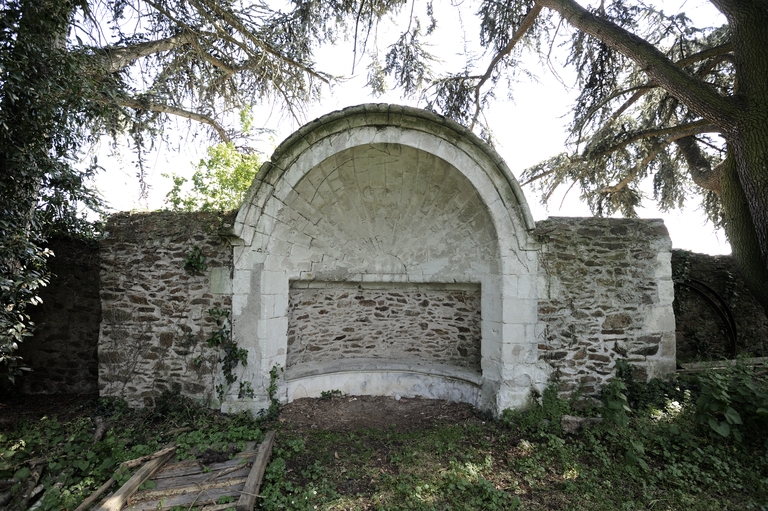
(385, 250)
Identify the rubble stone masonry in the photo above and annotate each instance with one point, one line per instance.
(155, 317)
(429, 324)
(605, 292)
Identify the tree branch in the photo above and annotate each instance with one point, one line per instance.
(525, 25)
(235, 23)
(172, 110)
(720, 51)
(673, 137)
(699, 166)
(229, 70)
(681, 130)
(119, 57)
(633, 173)
(699, 96)
(715, 51)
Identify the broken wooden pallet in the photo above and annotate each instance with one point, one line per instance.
(233, 483)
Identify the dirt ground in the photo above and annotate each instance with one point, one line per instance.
(15, 407)
(345, 413)
(339, 413)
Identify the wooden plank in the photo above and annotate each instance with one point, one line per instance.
(116, 501)
(252, 485)
(168, 483)
(138, 461)
(180, 468)
(191, 467)
(126, 464)
(189, 488)
(187, 500)
(87, 503)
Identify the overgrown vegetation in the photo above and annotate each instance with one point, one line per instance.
(73, 465)
(231, 354)
(657, 446)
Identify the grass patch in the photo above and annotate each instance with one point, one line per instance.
(656, 448)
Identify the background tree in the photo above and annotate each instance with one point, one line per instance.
(39, 135)
(219, 182)
(659, 98)
(73, 70)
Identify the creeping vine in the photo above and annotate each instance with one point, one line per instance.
(231, 354)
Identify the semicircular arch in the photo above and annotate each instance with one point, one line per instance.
(383, 197)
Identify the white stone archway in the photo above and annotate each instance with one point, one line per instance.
(367, 245)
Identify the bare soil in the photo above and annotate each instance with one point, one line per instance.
(15, 407)
(339, 413)
(347, 413)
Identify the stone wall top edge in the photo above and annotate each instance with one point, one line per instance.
(135, 226)
(635, 227)
(599, 220)
(699, 255)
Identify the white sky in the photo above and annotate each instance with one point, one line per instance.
(527, 130)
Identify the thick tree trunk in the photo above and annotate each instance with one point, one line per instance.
(748, 142)
(741, 232)
(747, 205)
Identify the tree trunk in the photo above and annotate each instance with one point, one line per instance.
(742, 117)
(747, 203)
(741, 232)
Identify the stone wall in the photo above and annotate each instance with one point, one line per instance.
(702, 332)
(605, 292)
(349, 327)
(155, 316)
(62, 351)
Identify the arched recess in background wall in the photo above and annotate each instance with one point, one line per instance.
(384, 250)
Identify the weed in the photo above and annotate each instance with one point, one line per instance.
(662, 454)
(733, 404)
(75, 466)
(194, 262)
(245, 390)
(542, 414)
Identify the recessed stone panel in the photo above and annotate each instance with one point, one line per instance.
(344, 325)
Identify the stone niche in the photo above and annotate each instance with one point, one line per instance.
(386, 250)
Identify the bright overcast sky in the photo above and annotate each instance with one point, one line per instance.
(527, 130)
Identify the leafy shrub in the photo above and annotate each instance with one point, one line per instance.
(542, 414)
(654, 393)
(733, 404)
